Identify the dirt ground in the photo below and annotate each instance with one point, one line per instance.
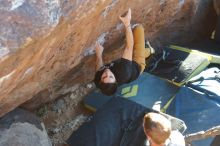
(65, 115)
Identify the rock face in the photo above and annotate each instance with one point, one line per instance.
(217, 28)
(46, 46)
(21, 128)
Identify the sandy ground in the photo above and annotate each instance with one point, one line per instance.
(65, 115)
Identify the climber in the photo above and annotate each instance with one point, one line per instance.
(129, 66)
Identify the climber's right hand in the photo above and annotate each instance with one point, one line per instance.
(127, 18)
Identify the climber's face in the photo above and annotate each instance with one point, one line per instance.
(108, 76)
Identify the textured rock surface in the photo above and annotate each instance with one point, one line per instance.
(65, 119)
(217, 28)
(216, 4)
(46, 45)
(21, 128)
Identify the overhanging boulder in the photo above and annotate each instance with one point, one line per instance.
(46, 47)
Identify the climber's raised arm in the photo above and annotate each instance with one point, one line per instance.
(98, 49)
(128, 51)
